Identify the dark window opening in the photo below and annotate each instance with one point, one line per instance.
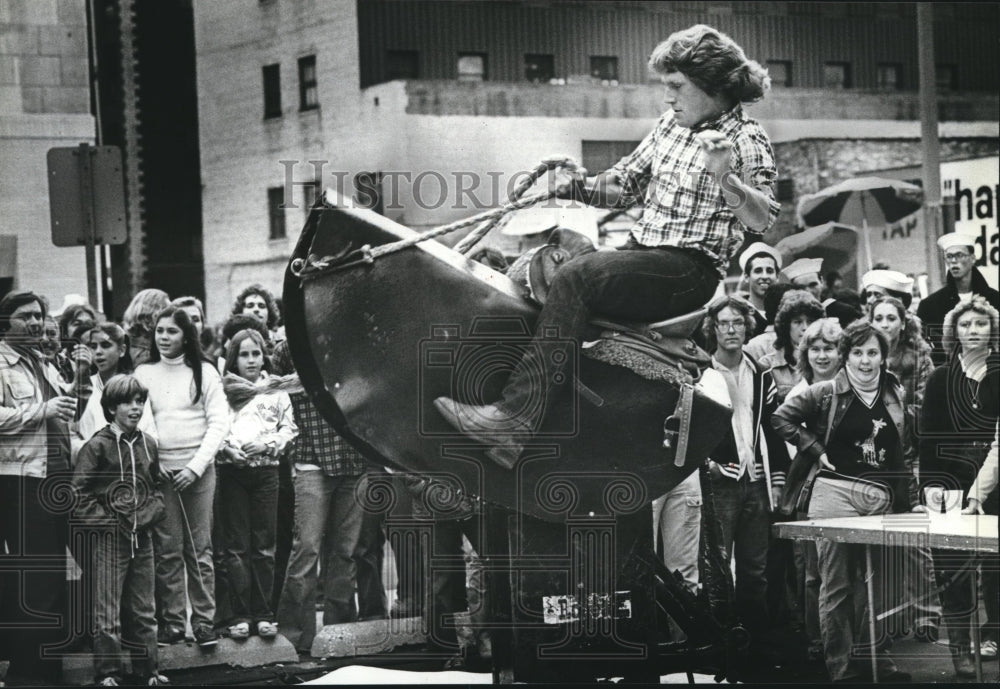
(837, 75)
(272, 91)
(276, 212)
(598, 156)
(780, 72)
(368, 191)
(472, 66)
(889, 76)
(604, 68)
(538, 68)
(401, 64)
(946, 77)
(308, 90)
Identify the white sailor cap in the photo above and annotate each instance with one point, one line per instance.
(759, 248)
(953, 239)
(802, 266)
(887, 279)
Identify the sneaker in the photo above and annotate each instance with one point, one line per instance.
(267, 630)
(157, 680)
(170, 635)
(206, 636)
(240, 631)
(107, 682)
(988, 649)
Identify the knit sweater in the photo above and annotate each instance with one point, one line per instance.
(190, 433)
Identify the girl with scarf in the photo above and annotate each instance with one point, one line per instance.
(261, 427)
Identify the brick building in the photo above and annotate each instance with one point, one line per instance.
(44, 103)
(422, 99)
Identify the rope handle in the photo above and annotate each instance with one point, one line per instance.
(309, 268)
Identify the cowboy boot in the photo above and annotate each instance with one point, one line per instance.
(489, 425)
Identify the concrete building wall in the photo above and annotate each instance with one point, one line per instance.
(44, 103)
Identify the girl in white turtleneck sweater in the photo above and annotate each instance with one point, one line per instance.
(192, 419)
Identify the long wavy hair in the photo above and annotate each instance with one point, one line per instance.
(273, 314)
(978, 304)
(910, 335)
(191, 345)
(713, 62)
(794, 304)
(711, 320)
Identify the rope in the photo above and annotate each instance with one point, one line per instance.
(306, 268)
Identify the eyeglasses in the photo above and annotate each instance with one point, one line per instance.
(725, 326)
(955, 258)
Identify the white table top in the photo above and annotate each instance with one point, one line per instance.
(948, 531)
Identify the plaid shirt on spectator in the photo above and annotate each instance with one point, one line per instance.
(318, 443)
(684, 206)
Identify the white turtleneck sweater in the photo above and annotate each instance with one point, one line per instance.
(189, 433)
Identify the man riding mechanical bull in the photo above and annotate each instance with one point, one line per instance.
(706, 174)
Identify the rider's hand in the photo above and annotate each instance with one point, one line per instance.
(568, 179)
(973, 508)
(716, 150)
(825, 463)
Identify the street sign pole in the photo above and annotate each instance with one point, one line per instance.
(89, 220)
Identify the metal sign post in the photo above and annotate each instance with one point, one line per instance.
(87, 202)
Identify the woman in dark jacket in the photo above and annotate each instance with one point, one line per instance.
(957, 422)
(854, 427)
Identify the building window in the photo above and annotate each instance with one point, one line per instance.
(946, 77)
(600, 155)
(401, 64)
(308, 92)
(472, 66)
(604, 68)
(272, 91)
(309, 194)
(837, 75)
(780, 72)
(889, 76)
(276, 212)
(538, 68)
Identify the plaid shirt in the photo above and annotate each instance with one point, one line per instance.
(318, 443)
(684, 206)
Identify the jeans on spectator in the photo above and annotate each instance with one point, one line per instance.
(285, 525)
(810, 590)
(32, 603)
(446, 570)
(183, 544)
(327, 521)
(741, 508)
(842, 590)
(248, 501)
(677, 520)
(634, 283)
(919, 587)
(124, 609)
(372, 600)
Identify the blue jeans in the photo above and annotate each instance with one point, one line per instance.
(741, 508)
(677, 518)
(634, 283)
(327, 523)
(248, 503)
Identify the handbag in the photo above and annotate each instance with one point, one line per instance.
(797, 491)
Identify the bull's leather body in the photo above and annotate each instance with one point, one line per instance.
(376, 343)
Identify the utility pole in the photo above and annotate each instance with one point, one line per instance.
(931, 145)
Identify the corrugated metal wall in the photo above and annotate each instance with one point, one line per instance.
(806, 33)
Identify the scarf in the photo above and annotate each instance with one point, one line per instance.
(866, 392)
(239, 391)
(974, 363)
